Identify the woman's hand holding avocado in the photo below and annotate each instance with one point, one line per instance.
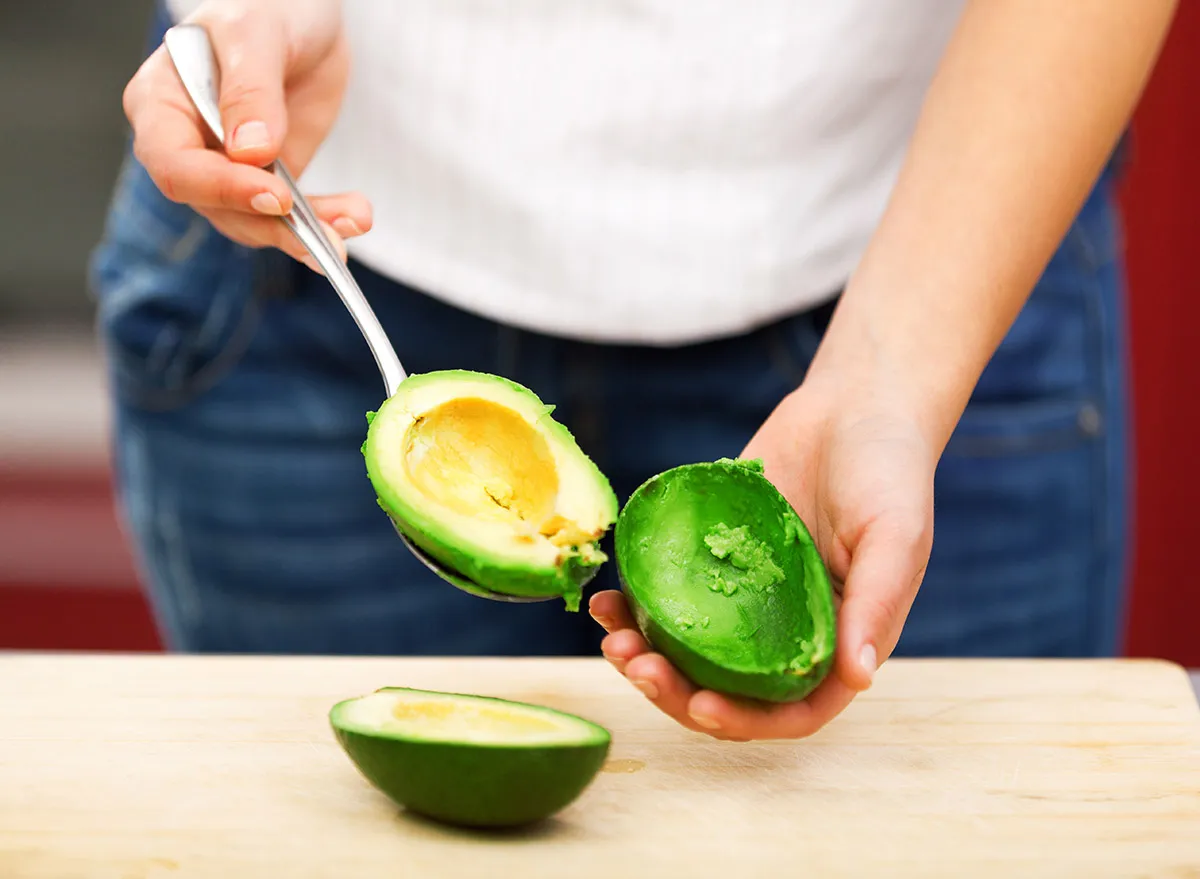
(854, 463)
(996, 170)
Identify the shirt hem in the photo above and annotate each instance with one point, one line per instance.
(461, 287)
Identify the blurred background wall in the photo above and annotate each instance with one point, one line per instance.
(66, 579)
(1160, 200)
(63, 64)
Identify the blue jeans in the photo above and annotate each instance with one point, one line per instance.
(240, 386)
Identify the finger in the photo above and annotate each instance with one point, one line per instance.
(610, 609)
(664, 686)
(257, 232)
(622, 646)
(885, 571)
(739, 719)
(169, 142)
(251, 50)
(204, 178)
(349, 213)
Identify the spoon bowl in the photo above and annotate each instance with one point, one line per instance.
(462, 582)
(191, 52)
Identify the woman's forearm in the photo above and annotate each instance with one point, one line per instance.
(1025, 109)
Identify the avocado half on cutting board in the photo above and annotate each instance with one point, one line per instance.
(474, 761)
(722, 575)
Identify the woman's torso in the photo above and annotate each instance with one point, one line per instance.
(635, 170)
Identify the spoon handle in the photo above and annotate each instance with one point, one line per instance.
(191, 52)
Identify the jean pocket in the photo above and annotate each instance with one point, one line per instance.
(175, 303)
(1019, 497)
(1024, 427)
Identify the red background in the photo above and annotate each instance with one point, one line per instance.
(66, 581)
(1162, 209)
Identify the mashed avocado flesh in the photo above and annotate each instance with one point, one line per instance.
(750, 560)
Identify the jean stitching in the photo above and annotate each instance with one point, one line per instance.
(129, 207)
(1106, 514)
(1027, 443)
(242, 320)
(174, 598)
(188, 244)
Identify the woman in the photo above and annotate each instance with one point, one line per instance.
(873, 244)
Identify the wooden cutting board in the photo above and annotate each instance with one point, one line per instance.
(171, 766)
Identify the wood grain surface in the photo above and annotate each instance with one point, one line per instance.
(132, 767)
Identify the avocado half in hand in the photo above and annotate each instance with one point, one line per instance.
(475, 471)
(724, 580)
(474, 761)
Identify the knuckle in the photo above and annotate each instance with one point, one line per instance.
(880, 607)
(912, 528)
(224, 18)
(129, 97)
(225, 191)
(240, 94)
(135, 89)
(165, 176)
(169, 183)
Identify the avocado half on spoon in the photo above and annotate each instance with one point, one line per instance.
(426, 435)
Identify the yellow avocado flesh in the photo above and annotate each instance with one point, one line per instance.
(478, 458)
(474, 469)
(467, 719)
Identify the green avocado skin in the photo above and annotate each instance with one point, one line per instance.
(764, 686)
(475, 786)
(565, 581)
(704, 655)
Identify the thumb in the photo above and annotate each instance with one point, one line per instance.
(251, 48)
(886, 568)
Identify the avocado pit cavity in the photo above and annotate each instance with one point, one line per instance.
(473, 469)
(481, 459)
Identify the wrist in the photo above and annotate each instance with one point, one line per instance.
(882, 357)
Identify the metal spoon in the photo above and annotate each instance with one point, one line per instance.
(191, 52)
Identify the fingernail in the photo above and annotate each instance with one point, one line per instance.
(346, 227)
(603, 621)
(250, 136)
(308, 260)
(267, 203)
(705, 721)
(867, 659)
(647, 687)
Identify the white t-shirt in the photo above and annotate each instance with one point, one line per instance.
(653, 171)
